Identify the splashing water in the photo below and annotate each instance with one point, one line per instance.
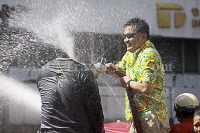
(111, 89)
(20, 93)
(51, 31)
(53, 20)
(54, 27)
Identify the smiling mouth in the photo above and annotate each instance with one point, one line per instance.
(129, 45)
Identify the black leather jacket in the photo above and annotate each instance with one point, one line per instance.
(70, 98)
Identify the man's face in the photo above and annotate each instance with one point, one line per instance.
(132, 39)
(197, 124)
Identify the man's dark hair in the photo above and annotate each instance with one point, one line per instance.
(185, 114)
(141, 25)
(61, 53)
(197, 112)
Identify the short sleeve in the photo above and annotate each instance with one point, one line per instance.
(122, 63)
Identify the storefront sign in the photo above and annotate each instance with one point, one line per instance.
(196, 13)
(164, 17)
(178, 19)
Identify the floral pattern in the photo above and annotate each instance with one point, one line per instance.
(145, 65)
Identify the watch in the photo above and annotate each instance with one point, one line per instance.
(128, 84)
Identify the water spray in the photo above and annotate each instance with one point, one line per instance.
(101, 66)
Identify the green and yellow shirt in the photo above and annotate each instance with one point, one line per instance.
(145, 65)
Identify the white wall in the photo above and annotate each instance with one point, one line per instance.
(113, 103)
(183, 81)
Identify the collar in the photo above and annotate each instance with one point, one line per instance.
(188, 120)
(147, 44)
(60, 58)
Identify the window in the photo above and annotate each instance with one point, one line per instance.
(190, 56)
(178, 55)
(170, 52)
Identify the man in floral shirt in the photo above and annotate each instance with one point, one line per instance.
(146, 76)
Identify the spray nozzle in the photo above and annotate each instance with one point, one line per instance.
(101, 66)
(103, 61)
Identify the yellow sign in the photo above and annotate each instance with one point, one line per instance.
(196, 13)
(164, 17)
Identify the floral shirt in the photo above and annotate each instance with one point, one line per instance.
(145, 65)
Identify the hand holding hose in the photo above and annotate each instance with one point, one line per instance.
(114, 71)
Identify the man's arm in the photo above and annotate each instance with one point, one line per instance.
(142, 87)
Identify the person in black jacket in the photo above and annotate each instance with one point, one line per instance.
(70, 98)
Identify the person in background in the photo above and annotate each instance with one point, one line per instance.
(70, 98)
(145, 75)
(196, 120)
(184, 105)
